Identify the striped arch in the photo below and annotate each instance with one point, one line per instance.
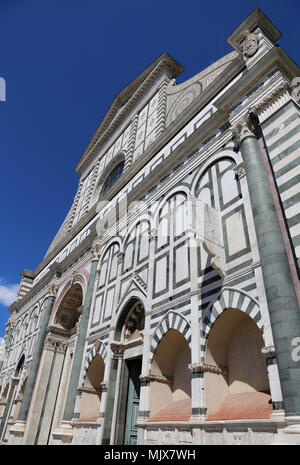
(132, 318)
(97, 349)
(172, 320)
(230, 298)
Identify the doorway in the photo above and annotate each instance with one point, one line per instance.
(133, 401)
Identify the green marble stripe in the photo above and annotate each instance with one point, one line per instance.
(291, 201)
(251, 287)
(291, 183)
(222, 302)
(237, 281)
(293, 164)
(240, 267)
(291, 149)
(277, 115)
(240, 301)
(296, 240)
(250, 307)
(285, 124)
(294, 220)
(284, 138)
(214, 312)
(231, 296)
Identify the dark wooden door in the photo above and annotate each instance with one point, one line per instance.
(133, 401)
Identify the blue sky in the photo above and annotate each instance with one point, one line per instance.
(64, 61)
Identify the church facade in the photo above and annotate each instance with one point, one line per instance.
(166, 310)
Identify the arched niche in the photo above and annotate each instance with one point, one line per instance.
(236, 378)
(69, 310)
(131, 321)
(170, 379)
(91, 390)
(3, 399)
(19, 399)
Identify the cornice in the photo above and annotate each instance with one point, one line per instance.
(275, 57)
(256, 19)
(132, 93)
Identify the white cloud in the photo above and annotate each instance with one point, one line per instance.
(8, 293)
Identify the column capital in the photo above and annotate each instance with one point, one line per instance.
(245, 128)
(53, 288)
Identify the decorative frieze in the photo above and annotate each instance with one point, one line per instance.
(55, 344)
(139, 281)
(273, 100)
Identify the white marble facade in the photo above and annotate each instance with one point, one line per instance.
(161, 265)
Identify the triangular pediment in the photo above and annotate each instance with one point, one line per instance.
(125, 101)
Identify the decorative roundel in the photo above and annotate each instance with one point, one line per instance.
(250, 44)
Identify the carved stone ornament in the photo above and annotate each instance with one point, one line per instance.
(117, 350)
(157, 378)
(240, 171)
(89, 390)
(96, 250)
(120, 258)
(268, 351)
(207, 367)
(53, 288)
(244, 128)
(249, 44)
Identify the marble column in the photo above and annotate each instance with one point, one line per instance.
(281, 296)
(38, 348)
(8, 406)
(79, 350)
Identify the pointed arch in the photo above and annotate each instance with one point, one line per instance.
(172, 320)
(230, 298)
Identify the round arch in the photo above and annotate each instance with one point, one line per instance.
(230, 298)
(228, 153)
(172, 320)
